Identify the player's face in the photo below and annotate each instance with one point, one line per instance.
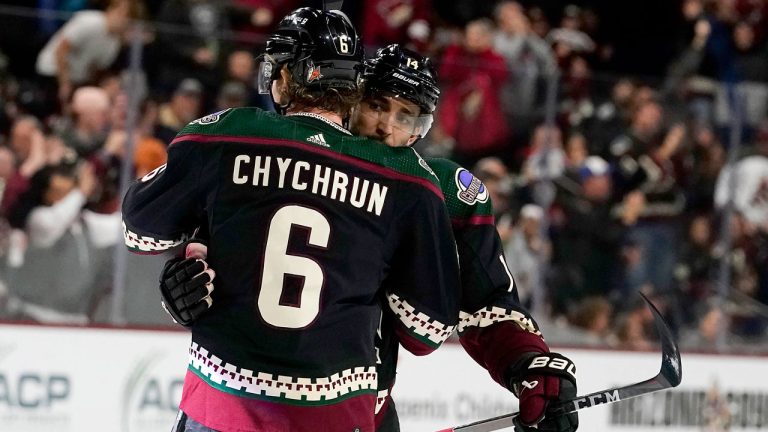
(389, 119)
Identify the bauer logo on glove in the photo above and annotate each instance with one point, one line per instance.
(540, 380)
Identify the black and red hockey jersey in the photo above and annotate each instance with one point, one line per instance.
(312, 231)
(493, 328)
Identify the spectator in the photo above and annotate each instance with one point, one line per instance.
(232, 94)
(749, 189)
(684, 76)
(710, 322)
(88, 129)
(470, 109)
(632, 329)
(705, 161)
(253, 19)
(745, 256)
(569, 39)
(50, 213)
(495, 176)
(405, 22)
(192, 45)
(527, 253)
(645, 165)
(530, 61)
(86, 45)
(241, 69)
(610, 117)
(750, 63)
(576, 100)
(27, 144)
(546, 162)
(694, 270)
(539, 22)
(7, 166)
(576, 152)
(240, 66)
(148, 153)
(642, 132)
(587, 235)
(185, 105)
(593, 314)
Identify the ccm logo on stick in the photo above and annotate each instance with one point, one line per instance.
(602, 398)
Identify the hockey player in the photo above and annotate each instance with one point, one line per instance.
(401, 95)
(311, 231)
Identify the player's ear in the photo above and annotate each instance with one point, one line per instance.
(412, 140)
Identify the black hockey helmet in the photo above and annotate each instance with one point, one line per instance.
(321, 49)
(405, 73)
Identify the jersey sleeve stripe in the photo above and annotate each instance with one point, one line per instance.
(145, 245)
(493, 314)
(473, 220)
(419, 325)
(378, 169)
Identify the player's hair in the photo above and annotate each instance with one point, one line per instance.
(334, 99)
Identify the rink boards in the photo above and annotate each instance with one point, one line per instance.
(77, 379)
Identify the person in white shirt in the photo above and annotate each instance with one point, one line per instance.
(88, 43)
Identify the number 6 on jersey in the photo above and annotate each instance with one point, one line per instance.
(278, 263)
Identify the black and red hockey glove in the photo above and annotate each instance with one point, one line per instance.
(538, 380)
(186, 284)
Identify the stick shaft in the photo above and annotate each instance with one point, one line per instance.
(669, 376)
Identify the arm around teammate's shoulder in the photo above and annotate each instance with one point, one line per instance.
(423, 287)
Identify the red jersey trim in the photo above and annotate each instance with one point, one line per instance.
(474, 220)
(388, 172)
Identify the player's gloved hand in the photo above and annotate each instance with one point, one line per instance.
(539, 380)
(186, 284)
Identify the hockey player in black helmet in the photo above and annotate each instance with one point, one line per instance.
(315, 53)
(312, 233)
(401, 94)
(400, 98)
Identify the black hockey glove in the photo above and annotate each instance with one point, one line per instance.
(186, 284)
(538, 380)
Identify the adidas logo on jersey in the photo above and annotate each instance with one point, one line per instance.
(318, 139)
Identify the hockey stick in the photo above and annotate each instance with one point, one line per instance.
(669, 376)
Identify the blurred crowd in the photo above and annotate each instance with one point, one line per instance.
(604, 182)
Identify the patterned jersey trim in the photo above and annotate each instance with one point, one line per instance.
(296, 390)
(381, 397)
(491, 315)
(424, 328)
(138, 243)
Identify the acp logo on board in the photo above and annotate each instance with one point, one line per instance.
(152, 393)
(32, 398)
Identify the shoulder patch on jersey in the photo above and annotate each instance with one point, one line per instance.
(210, 118)
(471, 189)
